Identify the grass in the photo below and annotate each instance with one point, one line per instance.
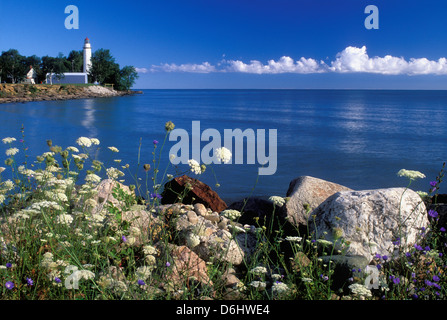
(59, 242)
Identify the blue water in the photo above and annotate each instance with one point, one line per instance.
(357, 138)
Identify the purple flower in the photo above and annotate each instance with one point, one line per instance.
(155, 142)
(141, 282)
(396, 280)
(427, 248)
(432, 213)
(168, 264)
(155, 195)
(418, 247)
(29, 281)
(378, 256)
(57, 280)
(124, 238)
(436, 278)
(442, 229)
(8, 265)
(385, 258)
(9, 285)
(433, 183)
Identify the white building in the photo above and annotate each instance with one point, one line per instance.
(75, 77)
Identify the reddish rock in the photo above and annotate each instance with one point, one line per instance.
(198, 192)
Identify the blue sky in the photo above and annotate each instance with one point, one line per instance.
(246, 43)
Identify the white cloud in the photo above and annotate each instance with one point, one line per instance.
(141, 70)
(283, 65)
(350, 60)
(354, 59)
(204, 67)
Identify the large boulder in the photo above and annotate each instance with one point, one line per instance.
(370, 221)
(191, 191)
(305, 194)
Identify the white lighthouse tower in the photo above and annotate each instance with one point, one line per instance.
(87, 55)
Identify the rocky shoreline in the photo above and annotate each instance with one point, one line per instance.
(20, 93)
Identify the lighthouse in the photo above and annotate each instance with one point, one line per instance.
(87, 55)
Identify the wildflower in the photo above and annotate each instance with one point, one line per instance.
(360, 290)
(223, 155)
(260, 285)
(230, 214)
(277, 201)
(304, 279)
(113, 149)
(84, 142)
(155, 196)
(433, 183)
(325, 278)
(442, 229)
(94, 141)
(146, 167)
(57, 280)
(8, 140)
(93, 178)
(259, 270)
(192, 240)
(141, 282)
(436, 278)
(29, 281)
(432, 213)
(8, 265)
(169, 126)
(148, 250)
(294, 239)
(279, 288)
(385, 257)
(168, 264)
(12, 151)
(418, 247)
(114, 173)
(396, 280)
(73, 149)
(65, 219)
(195, 166)
(410, 174)
(324, 242)
(9, 285)
(143, 272)
(155, 142)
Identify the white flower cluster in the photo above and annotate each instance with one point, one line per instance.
(258, 270)
(223, 154)
(277, 201)
(230, 214)
(194, 166)
(8, 140)
(360, 290)
(410, 174)
(87, 142)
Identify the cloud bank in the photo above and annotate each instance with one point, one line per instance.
(350, 60)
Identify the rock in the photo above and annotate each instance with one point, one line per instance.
(193, 191)
(307, 192)
(192, 217)
(185, 265)
(370, 220)
(200, 209)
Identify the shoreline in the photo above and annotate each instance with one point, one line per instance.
(21, 93)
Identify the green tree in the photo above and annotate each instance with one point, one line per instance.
(76, 61)
(54, 66)
(12, 66)
(128, 75)
(103, 67)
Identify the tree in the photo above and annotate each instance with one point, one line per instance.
(12, 66)
(54, 66)
(128, 75)
(103, 66)
(76, 61)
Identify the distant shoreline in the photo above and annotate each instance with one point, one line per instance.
(21, 93)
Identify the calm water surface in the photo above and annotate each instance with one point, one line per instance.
(356, 138)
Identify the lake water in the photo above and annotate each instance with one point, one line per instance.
(356, 138)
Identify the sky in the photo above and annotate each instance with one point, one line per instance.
(246, 44)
